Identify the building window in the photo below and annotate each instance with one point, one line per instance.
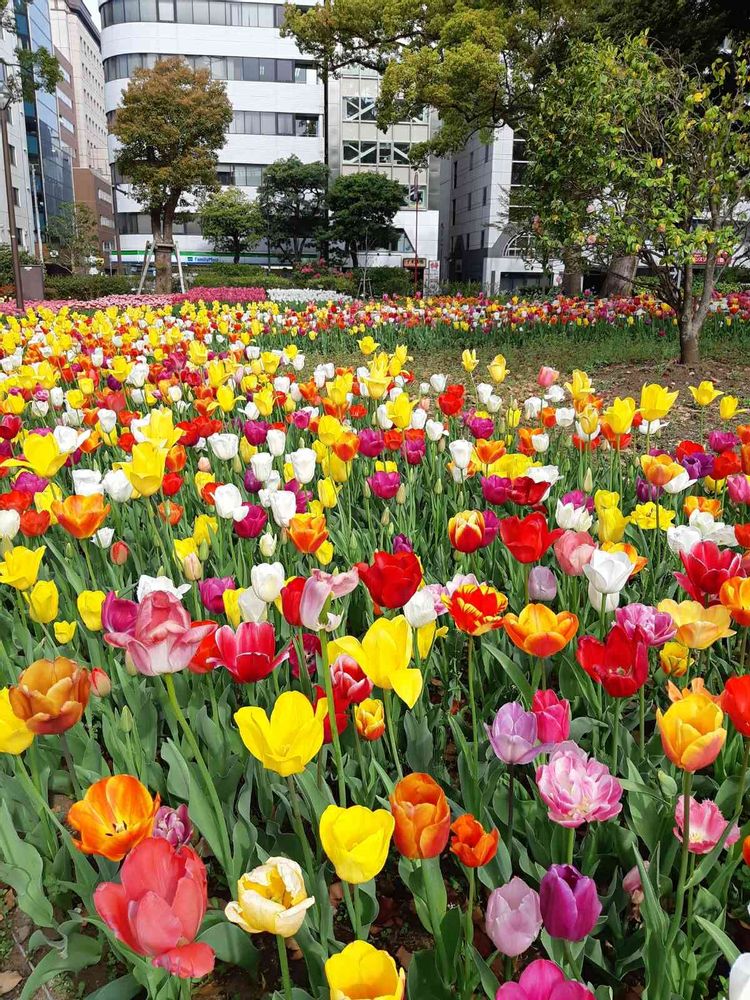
(221, 67)
(484, 196)
(481, 238)
(361, 152)
(106, 222)
(519, 246)
(12, 151)
(239, 174)
(468, 241)
(471, 160)
(103, 195)
(468, 202)
(455, 173)
(269, 123)
(453, 212)
(218, 12)
(359, 109)
(15, 197)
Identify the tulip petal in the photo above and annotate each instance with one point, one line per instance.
(191, 961)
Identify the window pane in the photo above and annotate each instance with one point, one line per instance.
(306, 126)
(284, 70)
(266, 69)
(252, 122)
(217, 12)
(368, 152)
(351, 152)
(131, 10)
(249, 68)
(265, 15)
(254, 175)
(267, 124)
(224, 173)
(200, 11)
(218, 67)
(285, 124)
(166, 10)
(185, 11)
(300, 73)
(235, 14)
(279, 15)
(385, 152)
(249, 15)
(401, 152)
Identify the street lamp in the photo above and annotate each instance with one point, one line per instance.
(6, 99)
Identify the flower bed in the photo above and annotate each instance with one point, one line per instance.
(283, 636)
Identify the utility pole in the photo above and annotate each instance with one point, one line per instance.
(6, 96)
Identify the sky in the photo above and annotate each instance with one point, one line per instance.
(93, 7)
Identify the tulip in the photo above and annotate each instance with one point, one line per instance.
(118, 614)
(288, 741)
(705, 393)
(159, 917)
(552, 716)
(369, 719)
(267, 580)
(249, 654)
(422, 817)
(656, 627)
(691, 732)
(707, 568)
(212, 590)
(308, 532)
(113, 817)
(619, 664)
(251, 525)
(543, 980)
(735, 701)
(528, 538)
(577, 789)
(573, 551)
(513, 918)
(384, 485)
(735, 596)
(173, 825)
(476, 608)
(162, 640)
(361, 972)
(356, 841)
(569, 903)
(50, 695)
(698, 627)
(608, 572)
(539, 631)
(90, 604)
(471, 843)
(392, 579)
(466, 530)
(656, 402)
(81, 516)
(739, 978)
(20, 567)
(271, 898)
(349, 681)
(384, 655)
(15, 735)
(707, 826)
(318, 590)
(674, 659)
(44, 601)
(513, 735)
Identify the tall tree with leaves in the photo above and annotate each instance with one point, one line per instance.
(665, 158)
(73, 233)
(172, 122)
(231, 222)
(362, 208)
(292, 201)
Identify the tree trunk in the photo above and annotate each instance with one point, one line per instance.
(689, 349)
(353, 255)
(237, 251)
(620, 275)
(163, 265)
(572, 279)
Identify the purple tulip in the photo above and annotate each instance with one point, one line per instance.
(491, 527)
(513, 735)
(252, 524)
(569, 902)
(542, 584)
(252, 483)
(385, 485)
(255, 431)
(413, 450)
(496, 489)
(720, 441)
(698, 465)
(303, 496)
(212, 592)
(27, 482)
(646, 491)
(657, 627)
(371, 442)
(513, 918)
(173, 825)
(401, 543)
(579, 499)
(118, 614)
(738, 488)
(481, 427)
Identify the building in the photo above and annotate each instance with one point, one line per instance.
(21, 183)
(50, 158)
(81, 112)
(480, 195)
(277, 98)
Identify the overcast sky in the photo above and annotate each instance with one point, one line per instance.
(93, 6)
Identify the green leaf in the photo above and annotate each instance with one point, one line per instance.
(513, 671)
(231, 944)
(79, 952)
(424, 978)
(24, 872)
(729, 949)
(124, 988)
(419, 742)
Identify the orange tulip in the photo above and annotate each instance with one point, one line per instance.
(81, 516)
(704, 504)
(466, 530)
(538, 631)
(346, 447)
(176, 458)
(171, 512)
(422, 815)
(476, 609)
(50, 695)
(488, 451)
(691, 731)
(697, 686)
(660, 469)
(471, 843)
(308, 531)
(735, 595)
(114, 815)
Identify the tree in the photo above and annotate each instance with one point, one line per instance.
(292, 200)
(172, 121)
(232, 222)
(362, 208)
(73, 233)
(664, 155)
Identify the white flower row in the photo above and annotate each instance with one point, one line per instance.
(306, 295)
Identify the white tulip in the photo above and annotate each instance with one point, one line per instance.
(303, 463)
(68, 439)
(117, 486)
(434, 429)
(678, 484)
(608, 572)
(682, 538)
(252, 608)
(261, 463)
(224, 446)
(56, 396)
(573, 518)
(267, 580)
(228, 500)
(418, 418)
(565, 416)
(103, 537)
(420, 610)
(384, 422)
(438, 382)
(532, 407)
(739, 978)
(461, 450)
(87, 482)
(555, 394)
(276, 441)
(283, 505)
(540, 443)
(611, 601)
(484, 393)
(267, 545)
(107, 420)
(151, 584)
(10, 523)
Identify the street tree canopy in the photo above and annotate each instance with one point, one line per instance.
(231, 222)
(291, 199)
(362, 208)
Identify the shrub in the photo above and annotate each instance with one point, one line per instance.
(84, 287)
(387, 281)
(6, 263)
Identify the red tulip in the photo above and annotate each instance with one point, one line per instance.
(341, 711)
(526, 491)
(735, 701)
(291, 595)
(392, 579)
(205, 656)
(158, 907)
(707, 567)
(619, 664)
(528, 538)
(249, 654)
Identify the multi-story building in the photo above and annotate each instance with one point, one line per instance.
(277, 98)
(481, 196)
(20, 177)
(50, 158)
(81, 112)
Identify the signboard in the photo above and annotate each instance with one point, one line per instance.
(722, 259)
(412, 262)
(432, 277)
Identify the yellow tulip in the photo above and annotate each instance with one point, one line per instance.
(205, 529)
(612, 524)
(368, 345)
(41, 454)
(469, 360)
(145, 471)
(691, 731)
(231, 600)
(44, 602)
(606, 500)
(620, 415)
(362, 972)
(160, 430)
(288, 741)
(698, 627)
(329, 430)
(64, 631)
(729, 407)
(272, 898)
(89, 606)
(648, 516)
(324, 554)
(20, 567)
(225, 398)
(580, 387)
(356, 840)
(399, 411)
(327, 492)
(498, 369)
(185, 547)
(264, 401)
(15, 735)
(656, 401)
(384, 655)
(674, 658)
(704, 394)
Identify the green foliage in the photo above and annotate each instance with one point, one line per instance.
(88, 286)
(231, 222)
(73, 233)
(388, 281)
(362, 208)
(6, 263)
(291, 199)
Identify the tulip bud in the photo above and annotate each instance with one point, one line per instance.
(203, 550)
(438, 488)
(401, 494)
(385, 517)
(119, 553)
(442, 445)
(588, 481)
(126, 720)
(237, 465)
(130, 666)
(367, 490)
(542, 584)
(101, 685)
(204, 464)
(369, 719)
(267, 545)
(192, 567)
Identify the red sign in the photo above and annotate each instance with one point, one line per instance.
(414, 262)
(721, 259)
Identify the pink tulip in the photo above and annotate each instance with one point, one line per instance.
(577, 788)
(707, 826)
(552, 716)
(158, 906)
(161, 640)
(349, 681)
(318, 588)
(249, 654)
(573, 551)
(543, 980)
(513, 919)
(547, 376)
(118, 614)
(738, 488)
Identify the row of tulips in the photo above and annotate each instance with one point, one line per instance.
(278, 638)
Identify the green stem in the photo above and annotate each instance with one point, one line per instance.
(299, 828)
(743, 648)
(284, 966)
(473, 710)
(687, 784)
(642, 716)
(433, 908)
(616, 735)
(389, 725)
(36, 776)
(71, 767)
(570, 845)
(743, 778)
(470, 930)
(351, 898)
(328, 684)
(226, 851)
(511, 805)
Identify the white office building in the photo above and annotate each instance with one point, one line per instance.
(277, 98)
(20, 176)
(480, 196)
